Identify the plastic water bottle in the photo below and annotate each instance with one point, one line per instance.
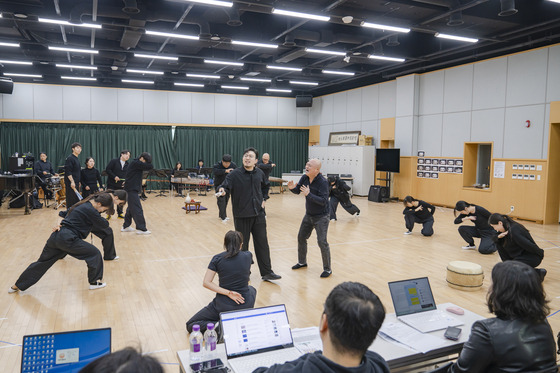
(210, 341)
(195, 340)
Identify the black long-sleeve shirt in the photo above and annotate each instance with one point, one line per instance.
(316, 202)
(114, 169)
(220, 174)
(91, 177)
(133, 177)
(340, 190)
(41, 167)
(246, 191)
(83, 219)
(266, 168)
(481, 222)
(426, 213)
(517, 241)
(72, 167)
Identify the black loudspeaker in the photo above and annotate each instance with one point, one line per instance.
(304, 101)
(6, 85)
(378, 193)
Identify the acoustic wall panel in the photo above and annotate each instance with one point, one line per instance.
(406, 135)
(302, 116)
(431, 93)
(553, 80)
(247, 111)
(521, 141)
(370, 102)
(406, 95)
(130, 105)
(526, 78)
(339, 107)
(286, 111)
(456, 130)
(325, 131)
(267, 113)
(429, 134)
(315, 111)
(76, 103)
(354, 105)
(327, 110)
(104, 104)
(457, 91)
(371, 128)
(544, 149)
(155, 107)
(489, 84)
(225, 109)
(179, 107)
(387, 100)
(203, 108)
(488, 125)
(1, 106)
(47, 102)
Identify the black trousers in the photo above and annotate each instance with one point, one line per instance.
(487, 245)
(256, 226)
(71, 197)
(92, 190)
(221, 303)
(427, 225)
(348, 206)
(528, 258)
(62, 243)
(134, 211)
(265, 190)
(116, 187)
(321, 226)
(43, 184)
(222, 205)
(108, 241)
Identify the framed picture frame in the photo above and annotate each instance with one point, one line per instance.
(344, 138)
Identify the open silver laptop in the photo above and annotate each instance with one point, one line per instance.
(415, 305)
(257, 337)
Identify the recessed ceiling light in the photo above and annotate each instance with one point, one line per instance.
(226, 4)
(24, 75)
(144, 72)
(156, 56)
(385, 27)
(301, 15)
(16, 62)
(13, 45)
(76, 50)
(383, 58)
(260, 80)
(302, 83)
(224, 62)
(283, 68)
(171, 35)
(279, 90)
(323, 51)
(20, 15)
(137, 81)
(454, 37)
(66, 23)
(84, 67)
(77, 78)
(252, 44)
(190, 85)
(234, 87)
(338, 72)
(204, 76)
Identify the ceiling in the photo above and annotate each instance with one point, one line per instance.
(123, 32)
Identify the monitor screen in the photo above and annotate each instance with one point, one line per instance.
(64, 352)
(388, 160)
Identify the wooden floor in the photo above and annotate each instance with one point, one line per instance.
(157, 284)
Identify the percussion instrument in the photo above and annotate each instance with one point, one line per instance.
(465, 276)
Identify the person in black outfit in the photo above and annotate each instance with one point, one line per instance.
(116, 171)
(514, 242)
(90, 178)
(233, 267)
(69, 239)
(133, 186)
(245, 185)
(123, 361)
(106, 235)
(417, 211)
(72, 173)
(315, 188)
(221, 170)
(199, 167)
(339, 193)
(519, 338)
(349, 324)
(266, 167)
(465, 211)
(177, 186)
(43, 170)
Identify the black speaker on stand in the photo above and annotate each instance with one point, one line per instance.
(378, 193)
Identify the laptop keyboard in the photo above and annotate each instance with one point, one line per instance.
(267, 359)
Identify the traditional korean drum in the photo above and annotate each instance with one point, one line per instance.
(465, 276)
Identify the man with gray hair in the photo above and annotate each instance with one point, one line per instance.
(315, 188)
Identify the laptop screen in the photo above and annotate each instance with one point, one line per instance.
(412, 296)
(256, 330)
(64, 352)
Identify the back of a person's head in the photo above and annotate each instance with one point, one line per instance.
(517, 293)
(147, 157)
(127, 360)
(354, 316)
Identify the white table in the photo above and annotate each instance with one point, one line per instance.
(398, 357)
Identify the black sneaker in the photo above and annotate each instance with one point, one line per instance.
(298, 266)
(271, 276)
(326, 274)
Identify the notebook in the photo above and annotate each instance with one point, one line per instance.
(415, 305)
(64, 352)
(257, 337)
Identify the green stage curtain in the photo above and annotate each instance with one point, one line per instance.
(100, 141)
(288, 148)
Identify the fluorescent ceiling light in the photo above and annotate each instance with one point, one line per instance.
(213, 2)
(84, 67)
(66, 23)
(385, 27)
(302, 83)
(157, 57)
(77, 78)
(279, 90)
(16, 62)
(77, 50)
(234, 87)
(170, 35)
(555, 1)
(137, 81)
(383, 58)
(301, 15)
(223, 62)
(203, 76)
(190, 85)
(338, 72)
(144, 72)
(256, 80)
(250, 43)
(323, 51)
(283, 68)
(14, 45)
(459, 38)
(24, 75)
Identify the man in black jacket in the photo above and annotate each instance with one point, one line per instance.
(44, 169)
(221, 170)
(349, 324)
(72, 172)
(245, 185)
(339, 193)
(116, 171)
(133, 186)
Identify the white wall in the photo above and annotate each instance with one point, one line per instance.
(50, 102)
